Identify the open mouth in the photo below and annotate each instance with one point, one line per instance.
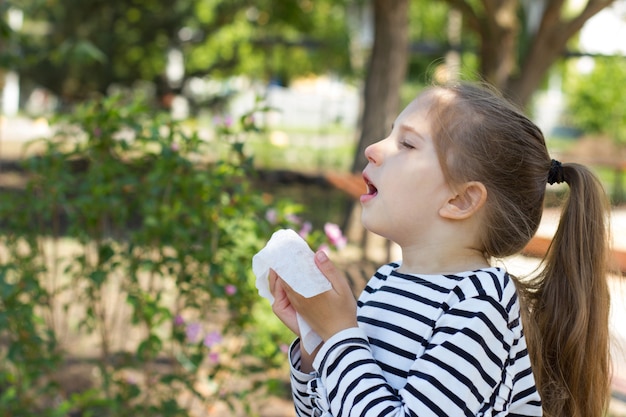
(371, 189)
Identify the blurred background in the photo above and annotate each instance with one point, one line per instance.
(148, 148)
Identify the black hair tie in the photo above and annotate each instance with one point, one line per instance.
(555, 175)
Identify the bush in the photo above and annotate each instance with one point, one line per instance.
(594, 104)
(130, 251)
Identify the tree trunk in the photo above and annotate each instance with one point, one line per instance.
(497, 25)
(385, 75)
(381, 96)
(499, 36)
(548, 45)
(534, 69)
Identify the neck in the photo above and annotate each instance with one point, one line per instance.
(441, 260)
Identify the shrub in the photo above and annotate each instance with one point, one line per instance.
(129, 250)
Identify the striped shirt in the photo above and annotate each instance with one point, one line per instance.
(426, 345)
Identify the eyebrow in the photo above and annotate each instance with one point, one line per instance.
(412, 130)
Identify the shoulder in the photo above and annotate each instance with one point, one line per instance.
(489, 294)
(385, 270)
(382, 274)
(493, 283)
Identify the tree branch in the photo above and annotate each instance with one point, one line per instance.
(490, 7)
(469, 14)
(592, 8)
(550, 18)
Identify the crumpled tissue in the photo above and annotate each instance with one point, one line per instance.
(293, 260)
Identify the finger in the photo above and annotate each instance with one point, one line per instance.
(272, 278)
(294, 297)
(337, 278)
(284, 286)
(276, 283)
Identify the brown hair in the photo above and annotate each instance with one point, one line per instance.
(480, 136)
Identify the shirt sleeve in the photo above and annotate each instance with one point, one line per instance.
(300, 382)
(462, 371)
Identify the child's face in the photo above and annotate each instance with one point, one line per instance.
(406, 186)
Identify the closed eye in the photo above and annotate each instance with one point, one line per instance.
(406, 144)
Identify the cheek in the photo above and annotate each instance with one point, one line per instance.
(426, 196)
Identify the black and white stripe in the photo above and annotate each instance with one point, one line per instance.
(426, 345)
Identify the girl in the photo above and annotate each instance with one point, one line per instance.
(460, 181)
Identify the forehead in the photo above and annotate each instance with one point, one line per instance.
(427, 100)
(418, 109)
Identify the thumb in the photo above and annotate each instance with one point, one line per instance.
(336, 277)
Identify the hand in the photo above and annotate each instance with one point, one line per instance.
(282, 306)
(329, 312)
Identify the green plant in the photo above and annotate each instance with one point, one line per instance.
(594, 105)
(133, 241)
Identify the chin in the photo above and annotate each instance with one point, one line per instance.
(371, 226)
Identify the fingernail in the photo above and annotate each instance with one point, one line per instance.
(321, 256)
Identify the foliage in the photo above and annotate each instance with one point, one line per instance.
(271, 39)
(133, 241)
(594, 104)
(428, 21)
(74, 48)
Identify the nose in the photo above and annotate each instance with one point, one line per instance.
(372, 153)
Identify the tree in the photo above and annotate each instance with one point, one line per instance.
(269, 39)
(515, 54)
(75, 48)
(596, 107)
(594, 104)
(386, 73)
(516, 43)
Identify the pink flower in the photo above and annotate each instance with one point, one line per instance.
(179, 320)
(271, 216)
(335, 236)
(214, 357)
(175, 147)
(212, 339)
(305, 230)
(284, 348)
(230, 289)
(228, 121)
(193, 332)
(293, 219)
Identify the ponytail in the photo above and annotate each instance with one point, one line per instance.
(568, 305)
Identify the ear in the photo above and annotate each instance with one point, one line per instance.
(469, 198)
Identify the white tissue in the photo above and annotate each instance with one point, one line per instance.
(290, 256)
